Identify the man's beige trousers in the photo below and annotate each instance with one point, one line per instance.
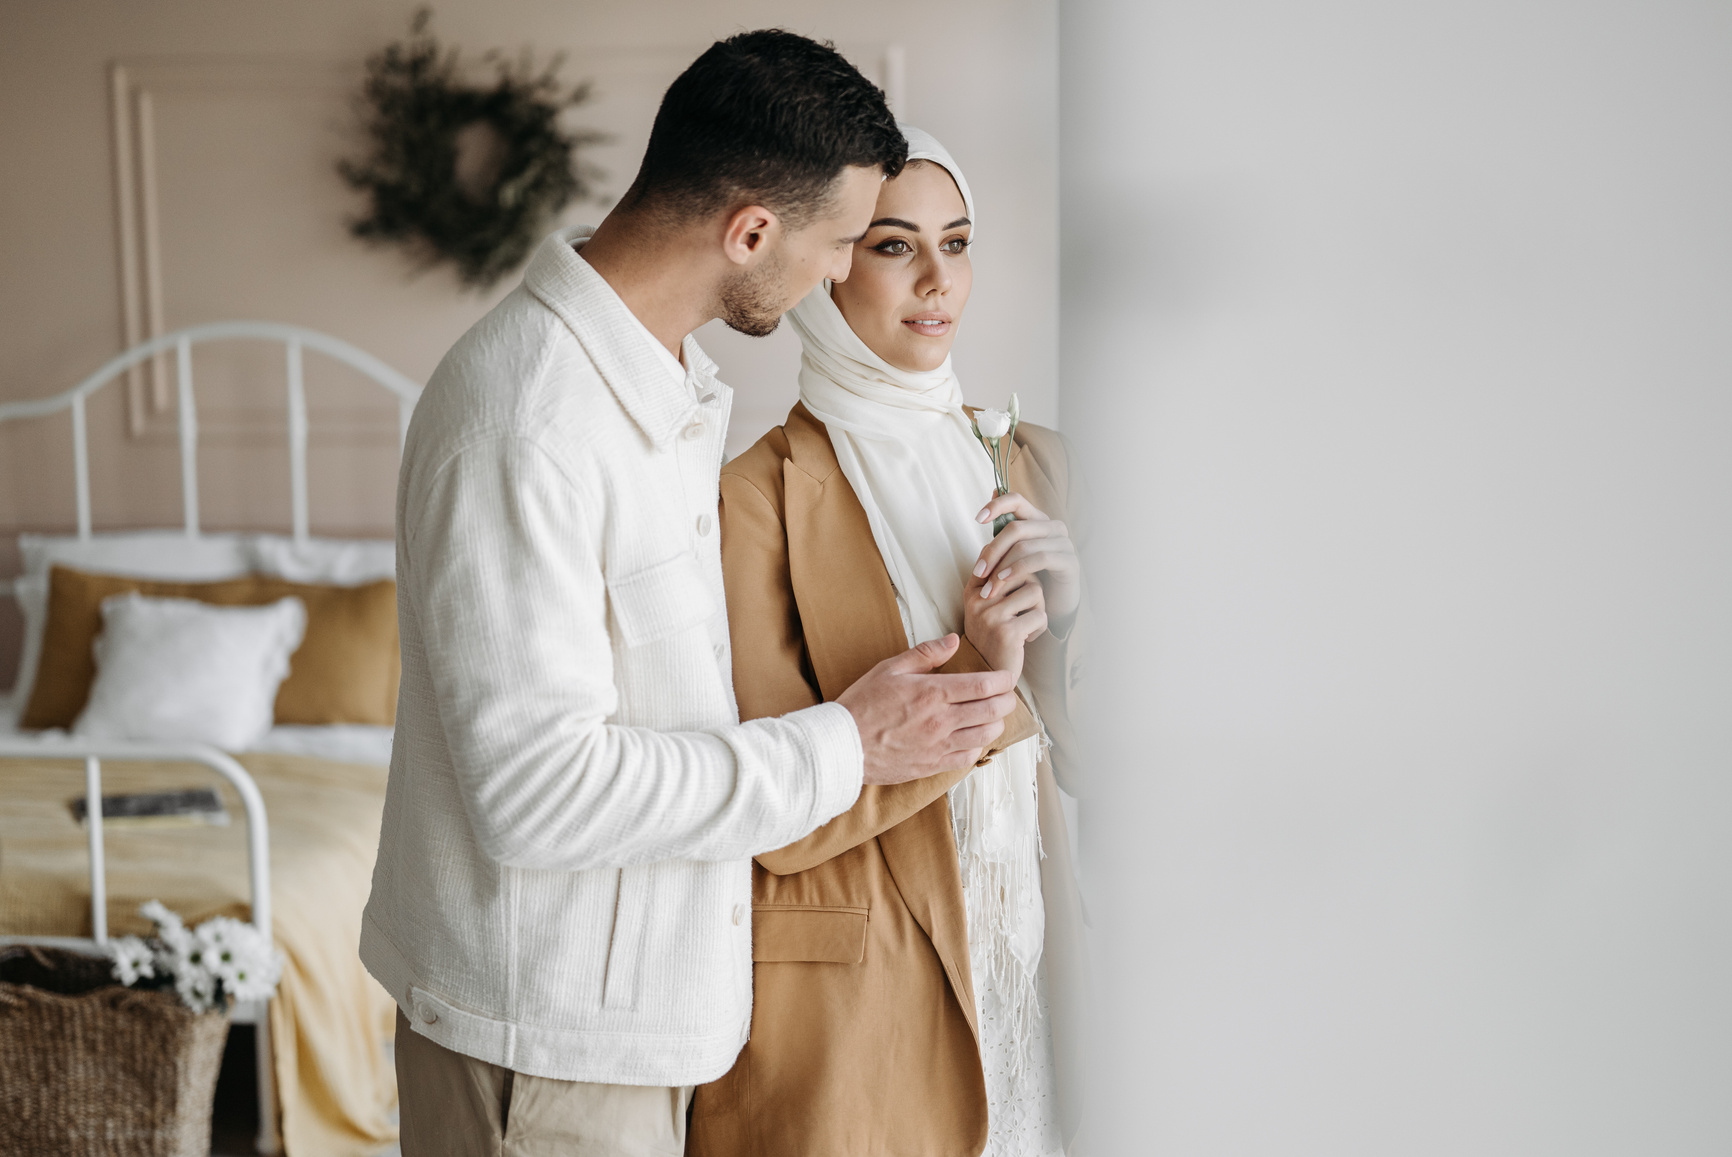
(457, 1106)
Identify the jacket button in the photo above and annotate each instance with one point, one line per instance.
(693, 432)
(428, 1016)
(704, 521)
(739, 913)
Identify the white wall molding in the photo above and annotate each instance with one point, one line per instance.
(138, 87)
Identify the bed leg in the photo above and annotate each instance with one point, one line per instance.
(269, 1140)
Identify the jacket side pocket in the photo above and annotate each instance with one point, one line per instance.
(825, 934)
(630, 909)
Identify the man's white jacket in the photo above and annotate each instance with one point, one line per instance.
(564, 877)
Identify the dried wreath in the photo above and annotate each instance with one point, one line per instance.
(470, 174)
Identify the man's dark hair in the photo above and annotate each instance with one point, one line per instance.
(767, 117)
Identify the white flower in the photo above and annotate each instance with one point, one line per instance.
(992, 423)
(255, 979)
(197, 988)
(214, 950)
(239, 956)
(157, 913)
(133, 959)
(173, 941)
(220, 961)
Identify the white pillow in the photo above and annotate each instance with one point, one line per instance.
(176, 669)
(343, 562)
(150, 554)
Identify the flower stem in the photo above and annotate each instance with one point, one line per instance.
(1002, 520)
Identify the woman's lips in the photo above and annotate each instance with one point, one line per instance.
(928, 324)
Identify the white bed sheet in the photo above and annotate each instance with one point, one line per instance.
(343, 742)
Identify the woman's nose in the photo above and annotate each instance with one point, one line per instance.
(934, 276)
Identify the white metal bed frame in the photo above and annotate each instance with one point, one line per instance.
(295, 341)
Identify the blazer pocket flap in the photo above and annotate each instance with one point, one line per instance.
(660, 600)
(831, 935)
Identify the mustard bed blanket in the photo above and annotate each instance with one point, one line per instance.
(330, 1018)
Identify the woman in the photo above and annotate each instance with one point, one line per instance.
(914, 959)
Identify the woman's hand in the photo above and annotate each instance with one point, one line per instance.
(1034, 546)
(1000, 623)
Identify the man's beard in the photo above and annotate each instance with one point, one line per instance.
(752, 302)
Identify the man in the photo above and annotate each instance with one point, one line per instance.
(562, 901)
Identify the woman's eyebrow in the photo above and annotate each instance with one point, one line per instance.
(912, 227)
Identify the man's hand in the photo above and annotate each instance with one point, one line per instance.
(914, 724)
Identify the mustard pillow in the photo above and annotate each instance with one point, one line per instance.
(345, 671)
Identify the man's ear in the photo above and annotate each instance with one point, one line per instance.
(748, 233)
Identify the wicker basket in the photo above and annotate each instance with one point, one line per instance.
(90, 1067)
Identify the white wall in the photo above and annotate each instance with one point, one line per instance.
(1399, 338)
(251, 113)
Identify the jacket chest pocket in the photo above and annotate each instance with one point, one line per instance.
(661, 600)
(824, 934)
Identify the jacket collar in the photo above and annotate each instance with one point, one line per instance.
(809, 445)
(615, 340)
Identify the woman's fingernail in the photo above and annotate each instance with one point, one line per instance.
(1004, 574)
(986, 591)
(985, 514)
(980, 569)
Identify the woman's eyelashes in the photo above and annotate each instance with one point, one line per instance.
(899, 247)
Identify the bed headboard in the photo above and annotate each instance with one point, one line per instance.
(295, 341)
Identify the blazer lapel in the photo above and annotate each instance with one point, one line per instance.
(851, 623)
(847, 605)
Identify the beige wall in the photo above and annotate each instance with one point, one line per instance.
(234, 211)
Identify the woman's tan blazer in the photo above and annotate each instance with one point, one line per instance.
(864, 1042)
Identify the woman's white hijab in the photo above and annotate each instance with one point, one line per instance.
(908, 449)
(904, 443)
